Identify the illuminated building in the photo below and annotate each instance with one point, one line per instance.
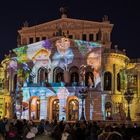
(43, 76)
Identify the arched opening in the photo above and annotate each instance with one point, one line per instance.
(74, 76)
(107, 81)
(108, 111)
(89, 79)
(55, 109)
(15, 82)
(118, 82)
(42, 75)
(34, 108)
(73, 110)
(58, 75)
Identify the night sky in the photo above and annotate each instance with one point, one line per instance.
(124, 14)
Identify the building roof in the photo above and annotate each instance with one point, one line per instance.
(67, 23)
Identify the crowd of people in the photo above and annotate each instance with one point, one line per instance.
(82, 130)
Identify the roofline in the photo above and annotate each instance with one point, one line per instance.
(68, 19)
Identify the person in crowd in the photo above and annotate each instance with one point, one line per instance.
(12, 133)
(114, 136)
(30, 135)
(1, 137)
(105, 133)
(66, 135)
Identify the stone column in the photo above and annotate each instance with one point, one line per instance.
(138, 79)
(43, 107)
(88, 108)
(80, 108)
(114, 78)
(62, 108)
(66, 77)
(94, 37)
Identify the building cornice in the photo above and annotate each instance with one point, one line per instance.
(67, 23)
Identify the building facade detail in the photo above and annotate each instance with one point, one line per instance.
(41, 79)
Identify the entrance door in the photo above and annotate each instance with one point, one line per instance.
(73, 110)
(55, 109)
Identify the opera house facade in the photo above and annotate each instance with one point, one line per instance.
(54, 63)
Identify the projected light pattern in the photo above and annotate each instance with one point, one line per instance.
(85, 47)
(36, 64)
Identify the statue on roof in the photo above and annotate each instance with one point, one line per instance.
(63, 11)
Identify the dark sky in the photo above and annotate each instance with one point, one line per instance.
(124, 14)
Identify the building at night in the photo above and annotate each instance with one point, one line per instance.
(44, 76)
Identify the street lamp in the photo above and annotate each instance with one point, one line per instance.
(129, 97)
(82, 96)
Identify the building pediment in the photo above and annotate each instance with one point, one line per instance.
(65, 24)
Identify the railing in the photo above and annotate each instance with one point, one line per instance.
(136, 60)
(114, 51)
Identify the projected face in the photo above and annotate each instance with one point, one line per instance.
(64, 55)
(41, 58)
(94, 59)
(62, 45)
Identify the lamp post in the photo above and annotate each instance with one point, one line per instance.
(82, 96)
(129, 97)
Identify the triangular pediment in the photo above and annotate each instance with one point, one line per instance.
(65, 23)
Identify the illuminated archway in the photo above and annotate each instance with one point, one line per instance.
(72, 107)
(73, 110)
(55, 109)
(34, 108)
(108, 110)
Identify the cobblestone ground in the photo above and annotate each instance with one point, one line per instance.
(43, 137)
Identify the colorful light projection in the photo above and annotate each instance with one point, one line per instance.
(21, 53)
(13, 64)
(39, 92)
(94, 60)
(85, 46)
(62, 95)
(43, 54)
(64, 54)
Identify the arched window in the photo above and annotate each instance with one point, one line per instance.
(42, 75)
(107, 81)
(108, 111)
(73, 110)
(89, 79)
(55, 109)
(74, 76)
(58, 75)
(118, 82)
(15, 82)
